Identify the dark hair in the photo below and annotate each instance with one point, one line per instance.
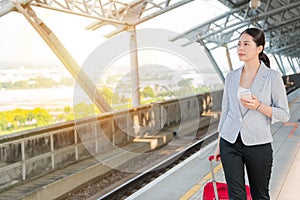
(259, 39)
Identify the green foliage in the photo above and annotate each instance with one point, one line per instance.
(67, 109)
(21, 119)
(110, 96)
(107, 94)
(148, 92)
(82, 110)
(60, 117)
(69, 117)
(42, 117)
(39, 82)
(3, 121)
(6, 85)
(30, 116)
(185, 82)
(20, 84)
(18, 118)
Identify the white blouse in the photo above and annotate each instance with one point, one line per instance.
(241, 90)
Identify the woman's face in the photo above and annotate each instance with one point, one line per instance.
(247, 49)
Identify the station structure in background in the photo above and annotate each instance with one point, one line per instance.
(279, 19)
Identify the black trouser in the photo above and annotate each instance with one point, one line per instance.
(258, 160)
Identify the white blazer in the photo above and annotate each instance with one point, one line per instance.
(255, 127)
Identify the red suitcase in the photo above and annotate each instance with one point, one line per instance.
(217, 190)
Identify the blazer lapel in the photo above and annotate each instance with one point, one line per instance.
(259, 80)
(236, 80)
(234, 87)
(256, 87)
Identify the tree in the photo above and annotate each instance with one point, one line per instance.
(20, 116)
(21, 84)
(107, 94)
(82, 110)
(42, 117)
(68, 116)
(185, 82)
(30, 116)
(67, 109)
(6, 85)
(3, 121)
(148, 92)
(60, 117)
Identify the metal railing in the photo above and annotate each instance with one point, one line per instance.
(30, 154)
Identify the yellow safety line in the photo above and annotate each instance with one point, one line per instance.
(208, 177)
(199, 185)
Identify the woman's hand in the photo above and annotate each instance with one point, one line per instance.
(217, 151)
(251, 104)
(217, 154)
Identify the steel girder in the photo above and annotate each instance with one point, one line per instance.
(123, 14)
(280, 20)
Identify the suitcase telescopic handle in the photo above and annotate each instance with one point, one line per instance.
(211, 158)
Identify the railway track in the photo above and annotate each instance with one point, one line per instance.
(132, 185)
(133, 175)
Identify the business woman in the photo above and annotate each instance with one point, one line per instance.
(254, 98)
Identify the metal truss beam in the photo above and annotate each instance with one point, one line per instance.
(280, 20)
(121, 14)
(61, 52)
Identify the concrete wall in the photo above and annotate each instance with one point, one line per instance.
(30, 154)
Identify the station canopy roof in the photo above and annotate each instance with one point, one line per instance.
(279, 19)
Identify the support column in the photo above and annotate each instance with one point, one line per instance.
(228, 57)
(282, 65)
(135, 84)
(298, 62)
(68, 61)
(291, 64)
(211, 58)
(279, 65)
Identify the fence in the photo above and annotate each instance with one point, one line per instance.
(30, 154)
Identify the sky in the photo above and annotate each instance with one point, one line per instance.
(21, 45)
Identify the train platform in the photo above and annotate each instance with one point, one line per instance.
(186, 180)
